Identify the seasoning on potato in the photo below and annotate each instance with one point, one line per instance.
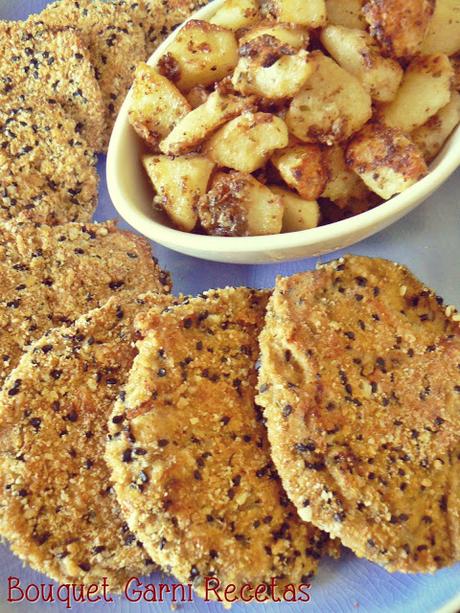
(282, 115)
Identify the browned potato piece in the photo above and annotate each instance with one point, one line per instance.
(236, 14)
(156, 105)
(246, 142)
(331, 106)
(347, 13)
(271, 69)
(299, 214)
(343, 184)
(424, 90)
(201, 54)
(238, 205)
(443, 34)
(356, 52)
(200, 123)
(386, 159)
(399, 26)
(302, 168)
(288, 33)
(179, 183)
(310, 13)
(431, 137)
(455, 61)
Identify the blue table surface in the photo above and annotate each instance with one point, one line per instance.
(428, 241)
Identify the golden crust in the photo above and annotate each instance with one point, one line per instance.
(48, 170)
(360, 382)
(51, 275)
(54, 64)
(190, 457)
(399, 26)
(115, 39)
(58, 510)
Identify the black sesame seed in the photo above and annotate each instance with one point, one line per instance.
(194, 572)
(85, 566)
(116, 284)
(304, 447)
(127, 455)
(35, 422)
(287, 410)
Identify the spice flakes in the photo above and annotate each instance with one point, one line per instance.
(53, 65)
(189, 454)
(59, 512)
(51, 275)
(360, 382)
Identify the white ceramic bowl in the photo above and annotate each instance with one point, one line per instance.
(132, 195)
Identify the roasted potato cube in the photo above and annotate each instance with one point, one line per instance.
(270, 69)
(236, 14)
(310, 13)
(431, 137)
(179, 183)
(246, 143)
(343, 184)
(347, 13)
(443, 34)
(156, 105)
(331, 106)
(399, 26)
(238, 205)
(201, 54)
(386, 159)
(200, 123)
(302, 168)
(299, 214)
(357, 52)
(424, 90)
(288, 33)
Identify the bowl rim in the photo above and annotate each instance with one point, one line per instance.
(391, 210)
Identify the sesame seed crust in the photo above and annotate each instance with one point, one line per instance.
(190, 460)
(360, 382)
(51, 275)
(57, 507)
(55, 65)
(114, 35)
(49, 172)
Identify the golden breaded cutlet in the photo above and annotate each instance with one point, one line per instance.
(189, 454)
(360, 384)
(49, 171)
(36, 61)
(114, 35)
(57, 507)
(51, 275)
